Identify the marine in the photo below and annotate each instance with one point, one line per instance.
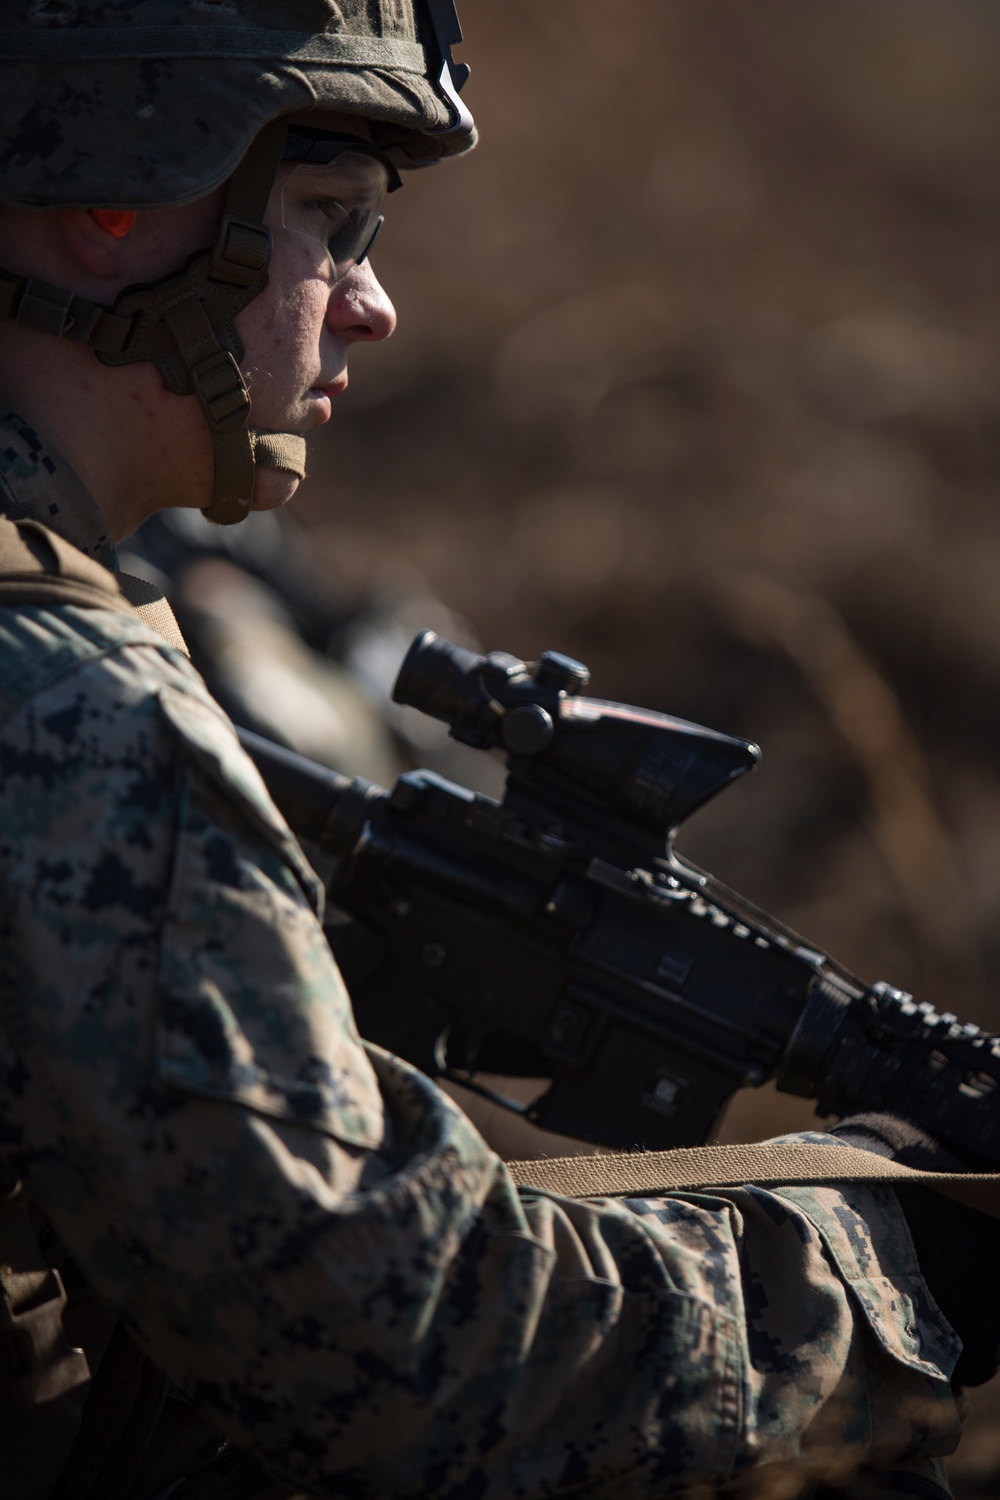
(292, 1264)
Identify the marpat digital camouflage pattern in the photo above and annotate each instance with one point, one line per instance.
(119, 103)
(306, 1235)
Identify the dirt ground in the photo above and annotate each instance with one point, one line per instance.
(696, 379)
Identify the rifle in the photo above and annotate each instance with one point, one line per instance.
(557, 934)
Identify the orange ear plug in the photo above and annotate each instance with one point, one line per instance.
(117, 221)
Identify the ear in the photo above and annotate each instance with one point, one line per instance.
(99, 247)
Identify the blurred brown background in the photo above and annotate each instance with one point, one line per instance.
(697, 379)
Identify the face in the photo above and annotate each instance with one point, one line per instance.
(298, 333)
(155, 449)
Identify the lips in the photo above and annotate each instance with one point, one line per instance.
(320, 398)
(332, 388)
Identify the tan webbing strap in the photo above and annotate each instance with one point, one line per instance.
(51, 309)
(148, 602)
(251, 184)
(279, 450)
(773, 1164)
(38, 567)
(222, 393)
(40, 1363)
(241, 256)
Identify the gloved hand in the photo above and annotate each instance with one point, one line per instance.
(957, 1247)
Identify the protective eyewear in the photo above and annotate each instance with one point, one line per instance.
(335, 194)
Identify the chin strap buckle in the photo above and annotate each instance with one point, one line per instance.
(242, 252)
(222, 391)
(41, 1363)
(45, 307)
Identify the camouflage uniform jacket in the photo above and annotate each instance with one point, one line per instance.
(307, 1236)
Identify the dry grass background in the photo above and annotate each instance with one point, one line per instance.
(698, 378)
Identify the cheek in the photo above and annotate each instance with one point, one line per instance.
(281, 329)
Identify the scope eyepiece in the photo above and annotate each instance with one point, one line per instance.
(478, 696)
(435, 677)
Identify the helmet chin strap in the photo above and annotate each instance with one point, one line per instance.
(186, 325)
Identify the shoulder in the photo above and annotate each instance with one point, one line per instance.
(40, 645)
(86, 752)
(106, 721)
(80, 704)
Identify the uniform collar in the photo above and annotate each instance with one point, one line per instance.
(37, 483)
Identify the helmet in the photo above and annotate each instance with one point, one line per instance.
(151, 103)
(146, 103)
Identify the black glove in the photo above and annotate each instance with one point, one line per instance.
(958, 1248)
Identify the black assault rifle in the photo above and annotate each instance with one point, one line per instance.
(557, 934)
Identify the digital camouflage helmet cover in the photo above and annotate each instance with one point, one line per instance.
(151, 103)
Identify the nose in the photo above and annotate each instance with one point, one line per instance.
(359, 308)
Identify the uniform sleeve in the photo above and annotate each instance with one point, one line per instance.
(312, 1241)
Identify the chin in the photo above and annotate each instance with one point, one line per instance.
(273, 488)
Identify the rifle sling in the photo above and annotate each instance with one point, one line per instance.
(772, 1164)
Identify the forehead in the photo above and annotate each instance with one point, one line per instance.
(336, 120)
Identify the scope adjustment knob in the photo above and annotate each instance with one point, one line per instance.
(527, 729)
(502, 665)
(563, 673)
